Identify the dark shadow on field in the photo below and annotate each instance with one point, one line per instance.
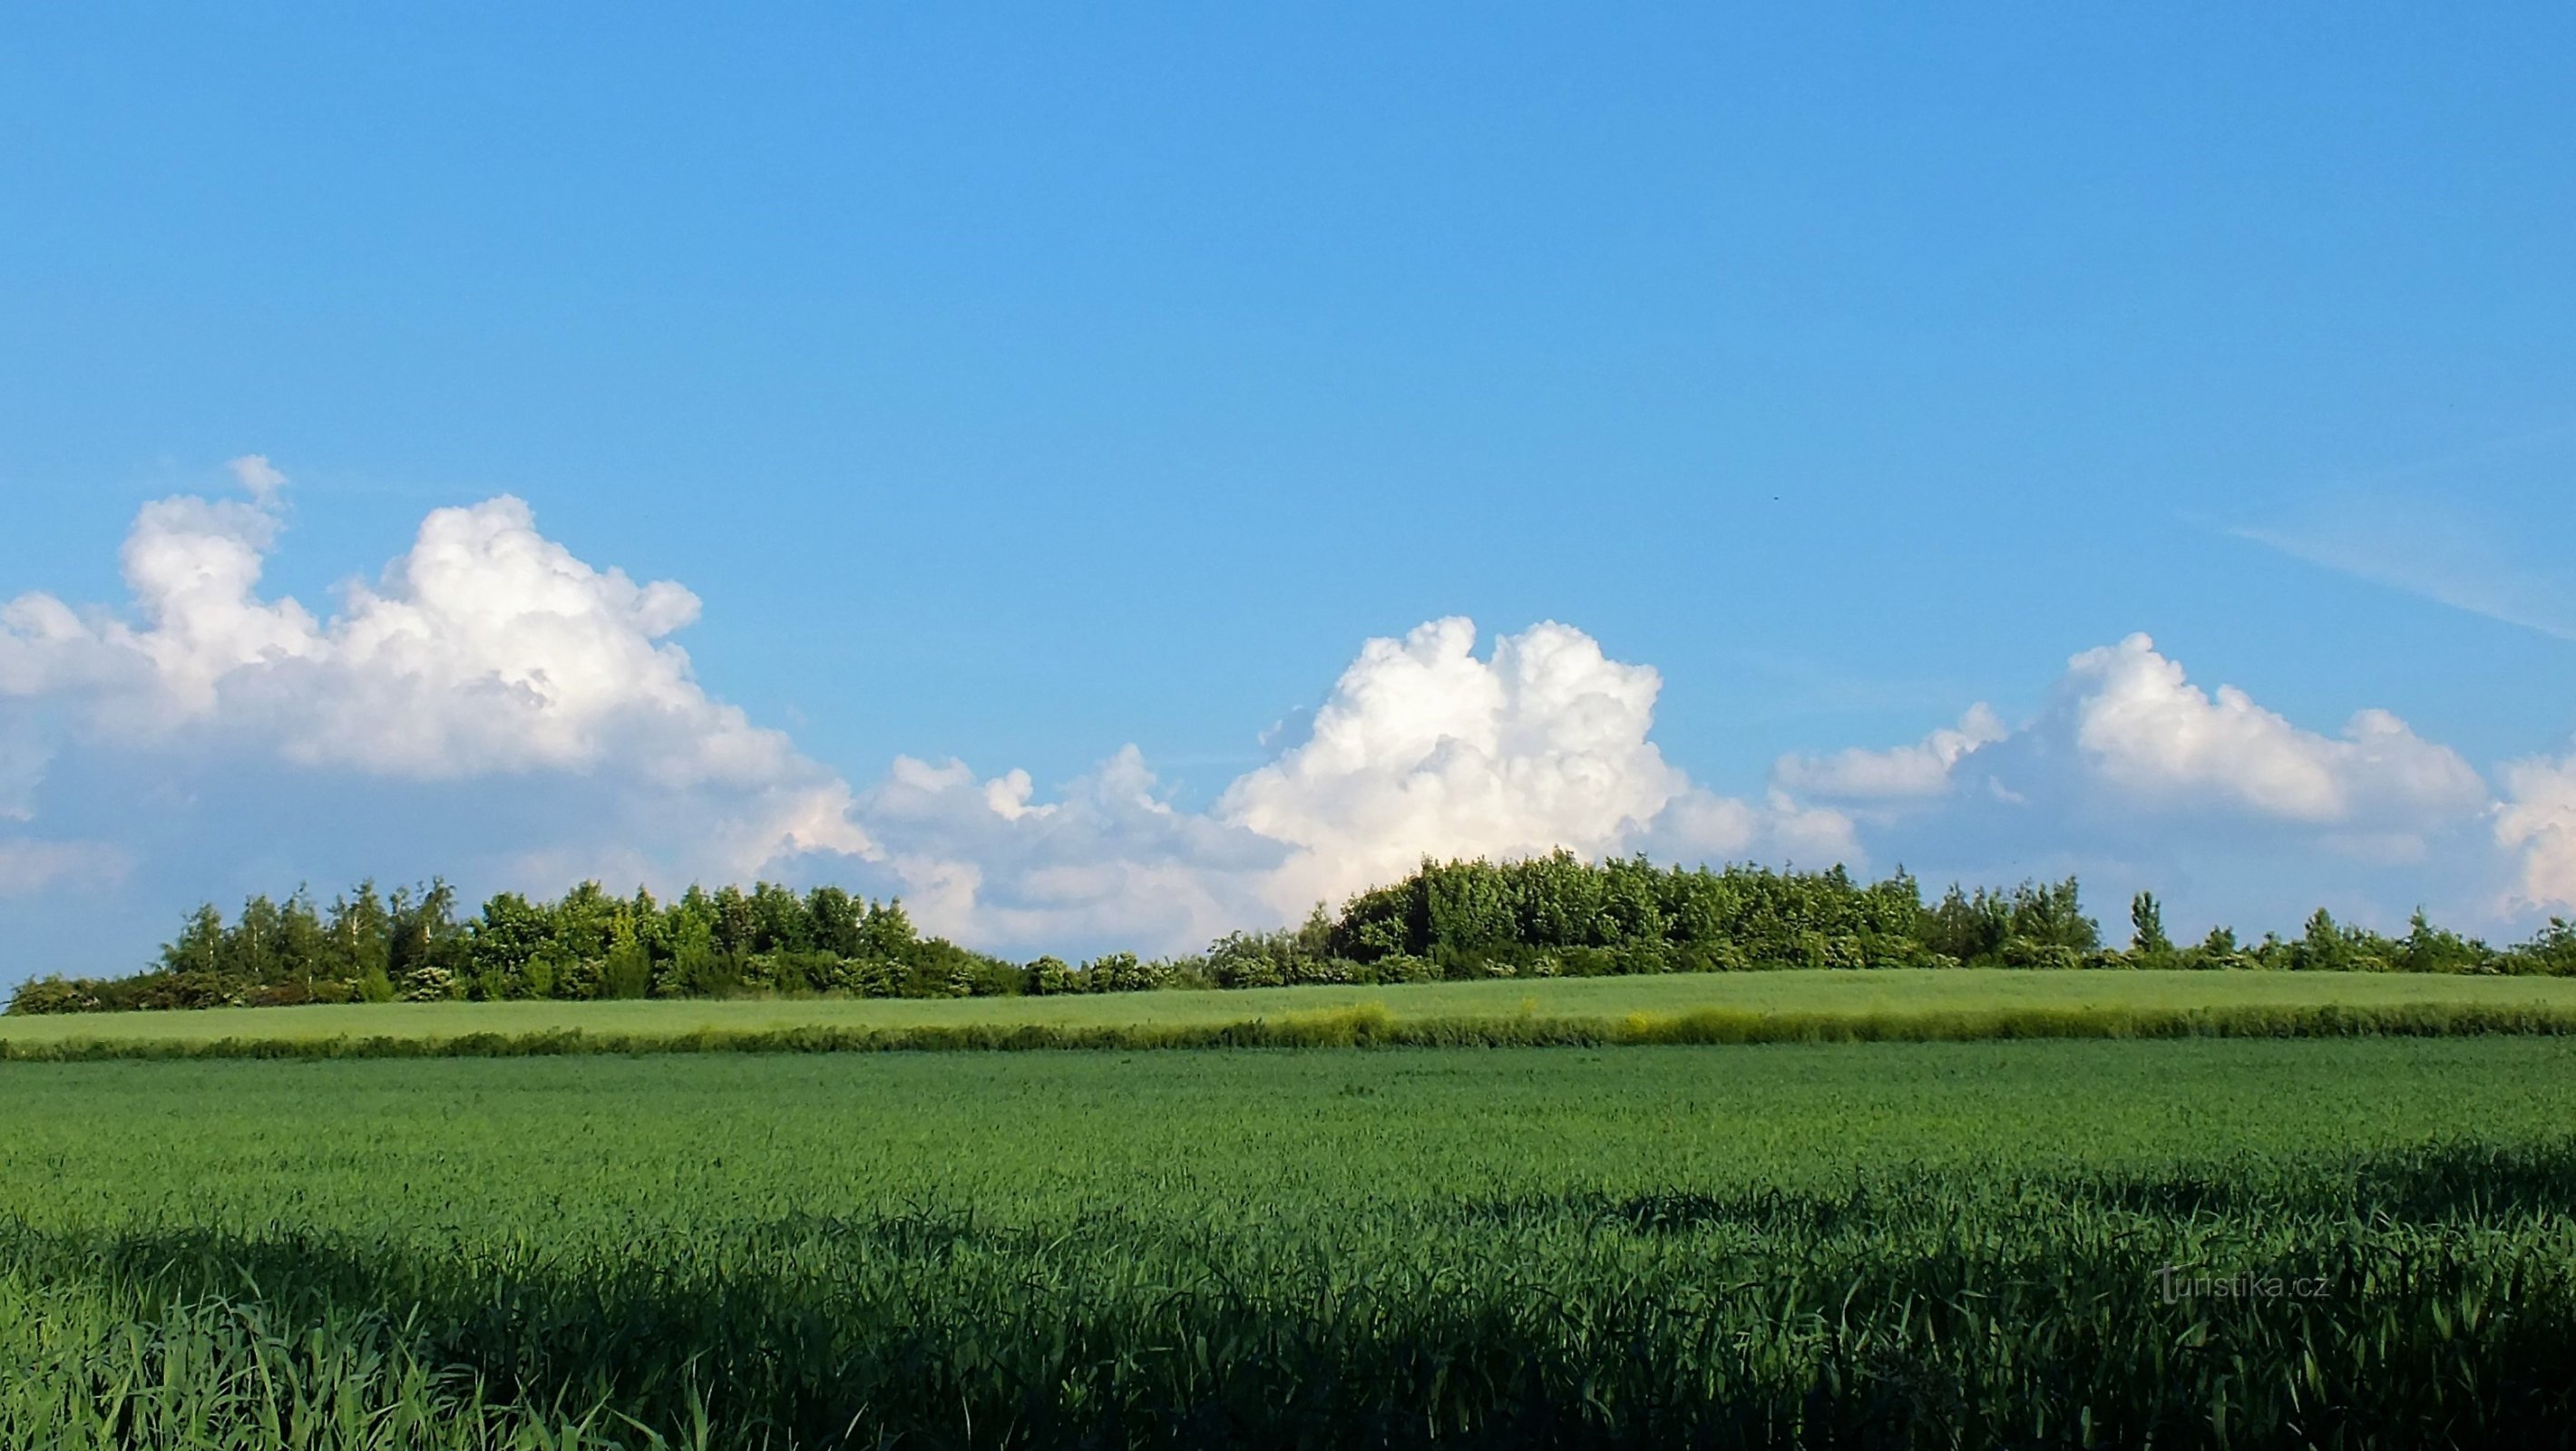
(2463, 1183)
(1938, 1309)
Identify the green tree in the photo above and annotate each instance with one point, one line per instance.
(2217, 950)
(2551, 950)
(199, 947)
(428, 958)
(2148, 943)
(360, 943)
(836, 917)
(699, 966)
(250, 950)
(627, 969)
(2427, 948)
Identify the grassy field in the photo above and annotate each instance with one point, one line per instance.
(1853, 995)
(1891, 1244)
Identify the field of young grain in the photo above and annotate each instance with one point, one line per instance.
(1695, 1007)
(2200, 1242)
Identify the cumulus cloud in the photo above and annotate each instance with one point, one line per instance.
(507, 701)
(2132, 776)
(2126, 734)
(1110, 860)
(258, 477)
(486, 649)
(1424, 749)
(1898, 773)
(1420, 749)
(492, 705)
(2150, 733)
(2537, 823)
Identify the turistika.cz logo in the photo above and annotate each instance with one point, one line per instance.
(2175, 1285)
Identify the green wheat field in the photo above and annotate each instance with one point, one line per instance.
(2346, 1240)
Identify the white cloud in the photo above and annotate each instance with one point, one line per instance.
(2133, 777)
(2538, 824)
(1898, 773)
(486, 649)
(1111, 861)
(494, 706)
(1424, 749)
(535, 707)
(1421, 749)
(1700, 826)
(2146, 731)
(257, 476)
(2127, 734)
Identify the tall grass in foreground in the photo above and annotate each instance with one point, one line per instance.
(2417, 1297)
(1373, 1026)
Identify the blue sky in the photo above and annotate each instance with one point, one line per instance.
(1010, 388)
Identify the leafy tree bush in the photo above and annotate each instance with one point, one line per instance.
(1052, 977)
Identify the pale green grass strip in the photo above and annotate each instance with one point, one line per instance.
(1841, 994)
(1372, 1025)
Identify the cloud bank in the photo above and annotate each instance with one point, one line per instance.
(487, 650)
(487, 669)
(2126, 732)
(491, 705)
(2135, 776)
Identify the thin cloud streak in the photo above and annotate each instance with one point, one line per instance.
(2424, 553)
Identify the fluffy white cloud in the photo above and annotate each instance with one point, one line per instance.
(1898, 773)
(2144, 729)
(486, 649)
(494, 706)
(2537, 823)
(2132, 777)
(517, 700)
(1111, 860)
(2127, 734)
(1424, 749)
(1421, 749)
(258, 477)
(542, 696)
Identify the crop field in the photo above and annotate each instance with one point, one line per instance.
(1964, 1002)
(2201, 1242)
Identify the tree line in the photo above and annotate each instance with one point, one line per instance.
(1559, 915)
(1540, 917)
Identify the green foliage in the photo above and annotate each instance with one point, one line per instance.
(1052, 977)
(2551, 952)
(1554, 914)
(2149, 947)
(695, 968)
(1542, 917)
(626, 971)
(2427, 948)
(413, 947)
(1297, 956)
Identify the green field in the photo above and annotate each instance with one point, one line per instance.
(1937, 1243)
(1883, 994)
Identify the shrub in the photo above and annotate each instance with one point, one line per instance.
(1052, 977)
